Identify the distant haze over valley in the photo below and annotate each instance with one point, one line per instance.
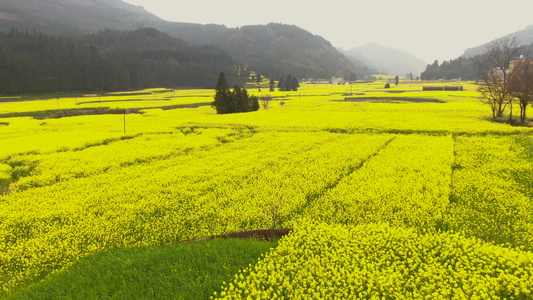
(428, 30)
(387, 60)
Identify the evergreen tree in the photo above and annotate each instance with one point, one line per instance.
(288, 84)
(254, 103)
(281, 84)
(272, 85)
(295, 84)
(223, 96)
(238, 100)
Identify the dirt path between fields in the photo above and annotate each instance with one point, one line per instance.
(263, 234)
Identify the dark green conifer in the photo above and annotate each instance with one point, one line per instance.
(272, 85)
(222, 102)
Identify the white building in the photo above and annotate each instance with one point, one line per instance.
(338, 81)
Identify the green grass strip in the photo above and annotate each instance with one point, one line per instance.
(184, 271)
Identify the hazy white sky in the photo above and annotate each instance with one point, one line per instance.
(428, 29)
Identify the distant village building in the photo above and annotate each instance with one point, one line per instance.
(316, 81)
(337, 81)
(513, 62)
(498, 73)
(333, 80)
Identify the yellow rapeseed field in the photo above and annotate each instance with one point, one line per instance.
(392, 193)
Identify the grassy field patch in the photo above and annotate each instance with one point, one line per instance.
(184, 271)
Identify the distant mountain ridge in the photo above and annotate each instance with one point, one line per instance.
(274, 49)
(73, 17)
(524, 37)
(388, 60)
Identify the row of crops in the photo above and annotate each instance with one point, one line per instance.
(376, 261)
(156, 189)
(394, 200)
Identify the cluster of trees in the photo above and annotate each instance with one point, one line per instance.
(521, 85)
(461, 67)
(455, 68)
(288, 84)
(105, 62)
(238, 100)
(505, 79)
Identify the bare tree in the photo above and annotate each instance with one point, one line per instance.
(265, 101)
(494, 69)
(521, 85)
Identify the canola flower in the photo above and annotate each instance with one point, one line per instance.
(78, 185)
(5, 175)
(214, 188)
(95, 159)
(493, 189)
(377, 261)
(407, 183)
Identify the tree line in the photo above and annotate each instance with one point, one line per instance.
(236, 101)
(461, 67)
(288, 84)
(506, 78)
(504, 74)
(107, 61)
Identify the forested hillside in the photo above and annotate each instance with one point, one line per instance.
(106, 61)
(524, 37)
(274, 50)
(73, 17)
(455, 68)
(461, 67)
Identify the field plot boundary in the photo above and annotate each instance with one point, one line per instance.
(311, 198)
(392, 99)
(75, 112)
(260, 234)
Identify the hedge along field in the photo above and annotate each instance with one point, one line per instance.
(74, 186)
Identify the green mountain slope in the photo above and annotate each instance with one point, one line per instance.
(60, 17)
(524, 37)
(274, 50)
(107, 61)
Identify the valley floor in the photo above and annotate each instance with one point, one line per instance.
(426, 198)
